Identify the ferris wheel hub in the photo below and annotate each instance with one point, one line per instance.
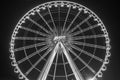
(59, 38)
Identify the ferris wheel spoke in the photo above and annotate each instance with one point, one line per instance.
(87, 37)
(47, 66)
(32, 54)
(37, 62)
(30, 38)
(90, 68)
(89, 45)
(59, 18)
(73, 21)
(52, 20)
(30, 46)
(39, 25)
(87, 53)
(79, 24)
(74, 68)
(66, 19)
(33, 31)
(84, 30)
(46, 23)
(64, 67)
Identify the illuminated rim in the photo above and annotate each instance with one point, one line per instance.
(62, 4)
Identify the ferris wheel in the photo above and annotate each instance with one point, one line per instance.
(60, 40)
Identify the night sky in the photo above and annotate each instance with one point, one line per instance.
(13, 10)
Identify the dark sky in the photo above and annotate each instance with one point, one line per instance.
(13, 10)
